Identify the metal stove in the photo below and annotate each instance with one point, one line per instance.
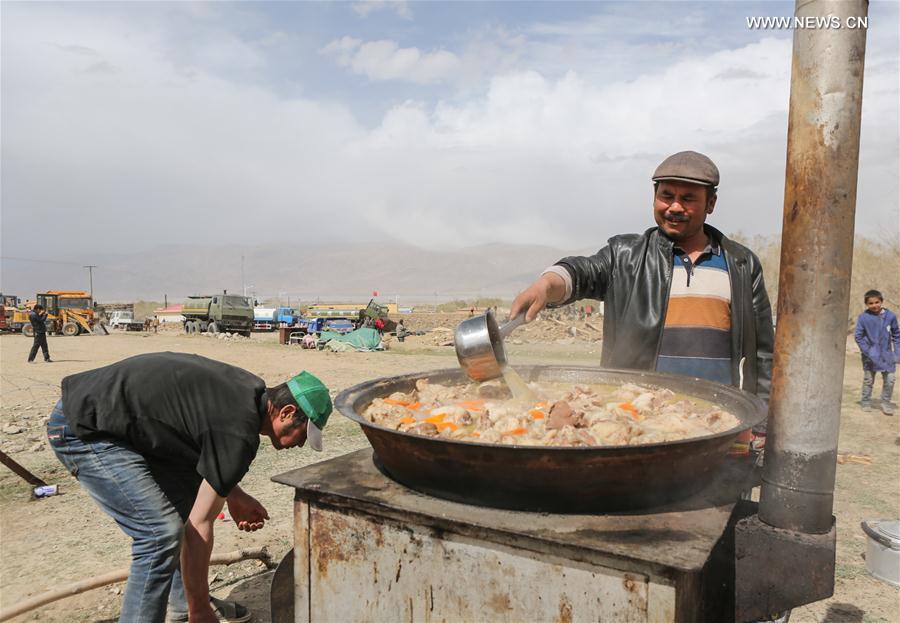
(369, 549)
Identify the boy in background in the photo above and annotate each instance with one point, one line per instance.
(878, 337)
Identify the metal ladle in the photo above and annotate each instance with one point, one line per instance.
(479, 345)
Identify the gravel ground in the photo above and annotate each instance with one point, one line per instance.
(49, 543)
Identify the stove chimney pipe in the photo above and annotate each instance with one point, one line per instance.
(816, 254)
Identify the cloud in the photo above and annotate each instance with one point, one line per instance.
(174, 146)
(77, 49)
(399, 7)
(567, 161)
(386, 60)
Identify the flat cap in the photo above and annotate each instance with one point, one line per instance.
(688, 166)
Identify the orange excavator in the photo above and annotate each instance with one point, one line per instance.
(69, 312)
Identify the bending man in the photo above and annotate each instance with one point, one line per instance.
(161, 441)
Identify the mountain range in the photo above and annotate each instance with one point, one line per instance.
(306, 271)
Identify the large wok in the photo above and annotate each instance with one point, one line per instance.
(553, 479)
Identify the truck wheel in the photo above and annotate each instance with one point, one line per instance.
(70, 329)
(187, 327)
(191, 327)
(28, 330)
(212, 327)
(245, 333)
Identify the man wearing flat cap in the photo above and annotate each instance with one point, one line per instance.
(161, 441)
(679, 298)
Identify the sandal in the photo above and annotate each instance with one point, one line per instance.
(226, 612)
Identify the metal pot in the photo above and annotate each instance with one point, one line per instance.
(553, 479)
(479, 345)
(883, 549)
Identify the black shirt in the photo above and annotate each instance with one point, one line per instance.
(186, 409)
(37, 322)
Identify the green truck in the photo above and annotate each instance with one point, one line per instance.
(218, 312)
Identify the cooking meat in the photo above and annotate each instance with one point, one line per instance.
(425, 428)
(563, 415)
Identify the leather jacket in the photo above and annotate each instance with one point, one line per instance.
(632, 275)
(38, 322)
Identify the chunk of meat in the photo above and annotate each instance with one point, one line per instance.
(505, 423)
(454, 414)
(644, 401)
(493, 390)
(562, 414)
(401, 398)
(424, 428)
(490, 436)
(385, 414)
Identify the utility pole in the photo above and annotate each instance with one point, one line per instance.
(243, 287)
(91, 268)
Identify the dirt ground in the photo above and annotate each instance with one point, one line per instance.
(45, 544)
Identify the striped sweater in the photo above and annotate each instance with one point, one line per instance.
(696, 338)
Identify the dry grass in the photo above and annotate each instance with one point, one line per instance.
(876, 266)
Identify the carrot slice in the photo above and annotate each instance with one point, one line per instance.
(536, 414)
(632, 410)
(443, 425)
(436, 419)
(540, 405)
(414, 406)
(476, 405)
(407, 420)
(398, 403)
(515, 431)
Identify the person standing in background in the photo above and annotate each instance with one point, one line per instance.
(878, 338)
(38, 319)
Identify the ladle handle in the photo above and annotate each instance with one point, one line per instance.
(508, 327)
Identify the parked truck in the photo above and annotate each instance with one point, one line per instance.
(218, 312)
(270, 318)
(124, 319)
(8, 305)
(263, 318)
(373, 311)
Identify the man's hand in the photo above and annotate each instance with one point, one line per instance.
(549, 288)
(246, 511)
(204, 617)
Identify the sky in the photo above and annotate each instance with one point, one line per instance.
(132, 126)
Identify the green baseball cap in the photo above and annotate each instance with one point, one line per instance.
(312, 396)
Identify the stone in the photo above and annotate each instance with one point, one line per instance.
(12, 429)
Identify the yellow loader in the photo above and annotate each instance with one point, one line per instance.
(69, 312)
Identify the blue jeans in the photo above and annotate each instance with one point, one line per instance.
(887, 386)
(149, 499)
